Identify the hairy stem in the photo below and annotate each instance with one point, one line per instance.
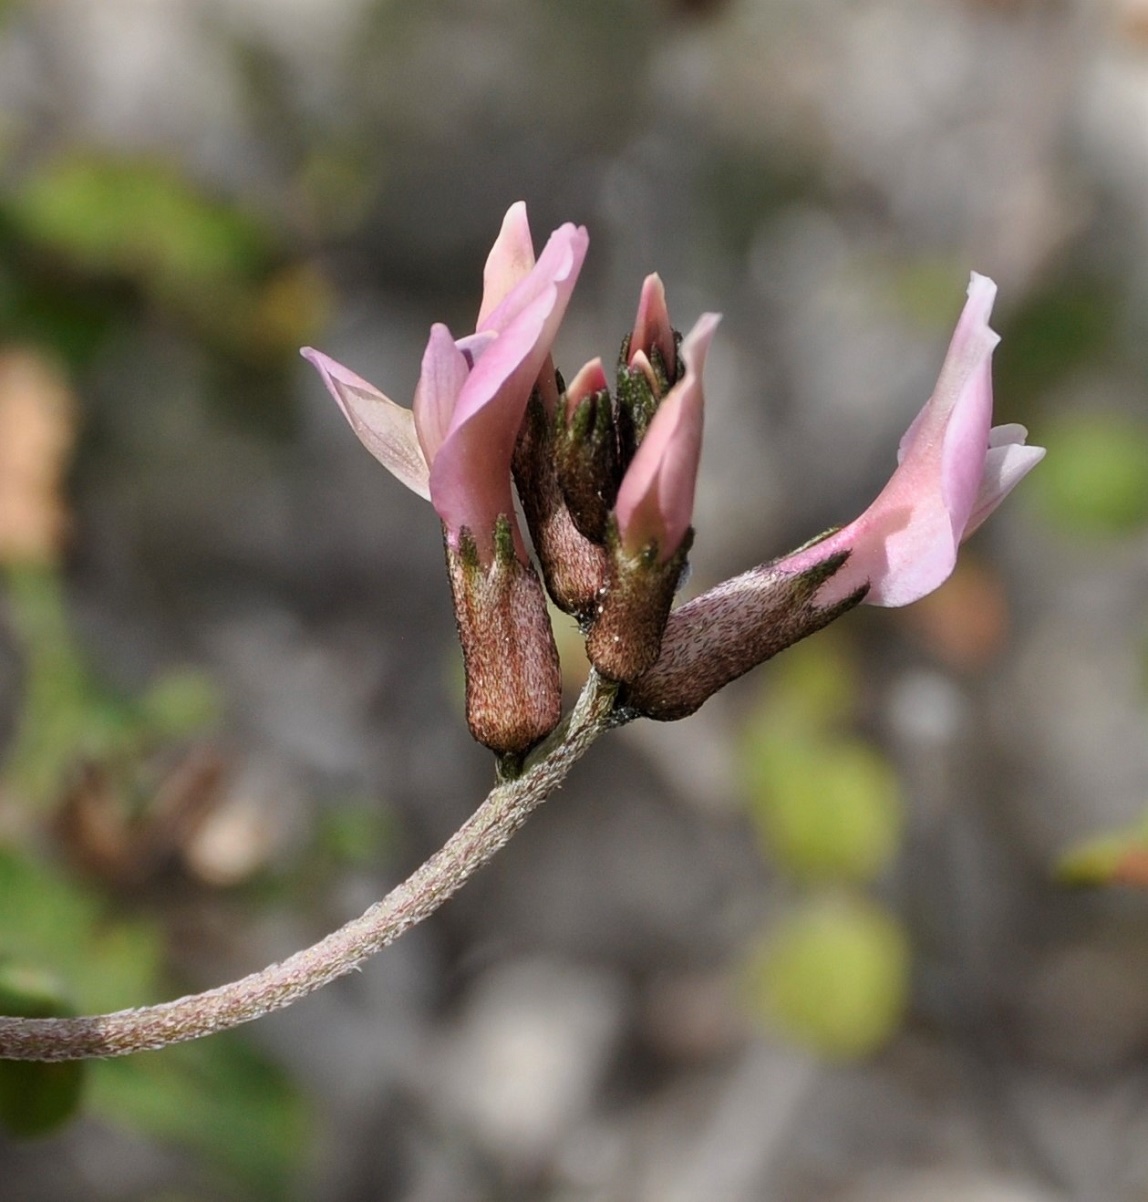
(487, 830)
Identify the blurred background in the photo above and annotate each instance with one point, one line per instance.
(868, 927)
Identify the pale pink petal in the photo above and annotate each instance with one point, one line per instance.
(640, 361)
(470, 477)
(656, 498)
(971, 347)
(509, 262)
(1006, 435)
(561, 259)
(1006, 465)
(965, 442)
(591, 378)
(444, 372)
(947, 482)
(652, 326)
(387, 430)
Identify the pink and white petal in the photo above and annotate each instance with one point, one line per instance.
(1006, 465)
(1010, 432)
(965, 442)
(656, 499)
(444, 371)
(387, 430)
(973, 341)
(470, 476)
(558, 265)
(473, 346)
(526, 325)
(510, 260)
(652, 326)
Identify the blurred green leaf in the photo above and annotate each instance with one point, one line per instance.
(138, 218)
(1069, 323)
(1095, 477)
(812, 689)
(834, 975)
(49, 920)
(219, 1097)
(36, 1098)
(1112, 858)
(357, 833)
(182, 702)
(827, 804)
(40, 308)
(59, 722)
(68, 717)
(826, 808)
(140, 225)
(1093, 861)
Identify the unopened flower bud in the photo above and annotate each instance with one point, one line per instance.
(648, 365)
(586, 451)
(573, 567)
(637, 396)
(513, 681)
(626, 633)
(653, 342)
(650, 533)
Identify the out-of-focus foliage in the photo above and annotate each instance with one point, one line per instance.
(834, 975)
(1055, 331)
(53, 923)
(827, 803)
(110, 783)
(36, 1098)
(219, 1097)
(1097, 477)
(1114, 858)
(69, 717)
(141, 222)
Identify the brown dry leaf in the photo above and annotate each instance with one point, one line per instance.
(37, 432)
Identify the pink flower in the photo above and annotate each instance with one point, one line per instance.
(454, 445)
(656, 498)
(953, 470)
(652, 331)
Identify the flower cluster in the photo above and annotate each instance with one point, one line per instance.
(606, 482)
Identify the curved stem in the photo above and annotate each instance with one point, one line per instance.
(471, 846)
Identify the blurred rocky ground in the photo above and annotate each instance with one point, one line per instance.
(191, 188)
